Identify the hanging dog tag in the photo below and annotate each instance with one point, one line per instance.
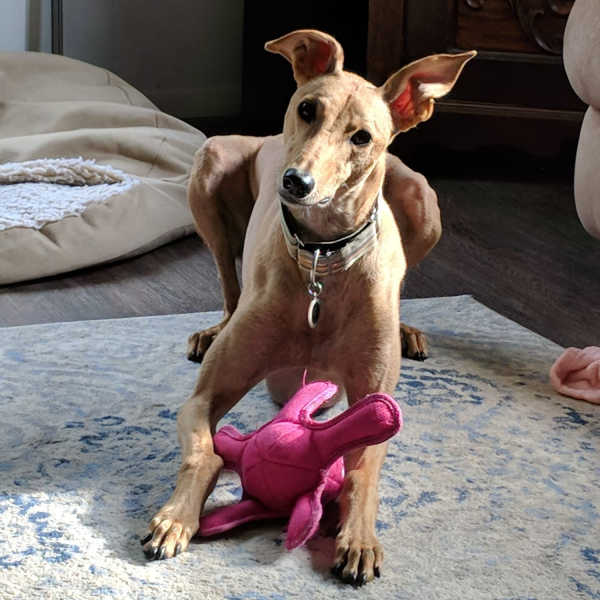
(314, 310)
(314, 290)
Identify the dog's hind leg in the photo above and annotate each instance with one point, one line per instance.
(415, 207)
(220, 195)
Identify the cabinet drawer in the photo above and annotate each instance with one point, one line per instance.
(533, 26)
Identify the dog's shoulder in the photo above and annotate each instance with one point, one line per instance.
(269, 160)
(272, 147)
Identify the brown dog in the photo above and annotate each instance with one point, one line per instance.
(330, 222)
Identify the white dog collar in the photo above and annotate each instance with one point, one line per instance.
(334, 256)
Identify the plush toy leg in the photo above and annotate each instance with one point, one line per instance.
(228, 517)
(308, 510)
(309, 398)
(372, 420)
(305, 518)
(229, 444)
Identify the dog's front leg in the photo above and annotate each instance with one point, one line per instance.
(236, 361)
(177, 521)
(358, 554)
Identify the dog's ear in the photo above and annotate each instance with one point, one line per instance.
(411, 91)
(311, 53)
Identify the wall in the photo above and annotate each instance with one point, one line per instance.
(13, 19)
(185, 55)
(25, 25)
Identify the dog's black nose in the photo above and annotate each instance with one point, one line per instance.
(298, 183)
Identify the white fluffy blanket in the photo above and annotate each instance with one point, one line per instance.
(37, 192)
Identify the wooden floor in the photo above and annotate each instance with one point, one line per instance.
(517, 246)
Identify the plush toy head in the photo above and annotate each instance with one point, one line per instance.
(293, 464)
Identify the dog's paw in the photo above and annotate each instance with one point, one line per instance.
(357, 559)
(414, 342)
(199, 342)
(167, 536)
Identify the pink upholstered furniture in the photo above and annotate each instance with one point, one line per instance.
(582, 62)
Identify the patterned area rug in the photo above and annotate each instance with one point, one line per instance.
(492, 489)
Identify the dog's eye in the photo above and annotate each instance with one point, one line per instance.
(361, 137)
(307, 111)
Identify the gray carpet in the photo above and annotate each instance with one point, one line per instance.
(491, 490)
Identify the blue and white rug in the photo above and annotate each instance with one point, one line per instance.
(491, 490)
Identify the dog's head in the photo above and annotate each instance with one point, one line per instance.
(338, 125)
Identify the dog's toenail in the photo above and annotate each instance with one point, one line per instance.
(177, 549)
(377, 572)
(146, 539)
(151, 552)
(162, 553)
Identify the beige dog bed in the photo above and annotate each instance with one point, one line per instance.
(90, 170)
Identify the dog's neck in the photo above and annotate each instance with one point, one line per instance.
(298, 235)
(342, 216)
(322, 257)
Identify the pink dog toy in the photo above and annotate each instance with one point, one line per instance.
(293, 464)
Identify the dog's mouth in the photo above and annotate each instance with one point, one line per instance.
(307, 201)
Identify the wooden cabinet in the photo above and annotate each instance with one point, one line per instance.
(532, 26)
(518, 71)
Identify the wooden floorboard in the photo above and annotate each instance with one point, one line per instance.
(177, 278)
(516, 246)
